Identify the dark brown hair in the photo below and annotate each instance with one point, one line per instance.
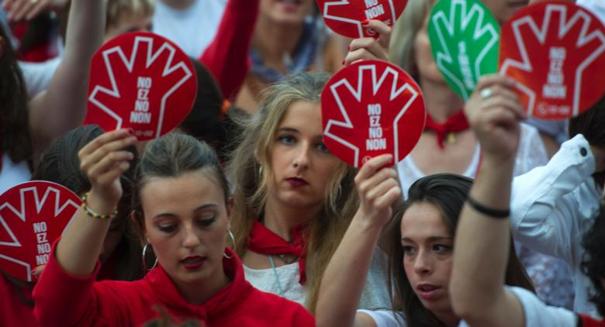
(447, 192)
(594, 262)
(15, 136)
(60, 164)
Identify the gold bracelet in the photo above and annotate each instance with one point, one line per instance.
(93, 214)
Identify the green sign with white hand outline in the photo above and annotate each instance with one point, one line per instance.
(465, 38)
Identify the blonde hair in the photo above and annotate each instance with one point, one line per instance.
(251, 181)
(404, 34)
(116, 9)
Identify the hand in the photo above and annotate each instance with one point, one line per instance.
(378, 189)
(368, 47)
(28, 9)
(103, 161)
(494, 112)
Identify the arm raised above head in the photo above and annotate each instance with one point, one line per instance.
(483, 234)
(345, 275)
(63, 105)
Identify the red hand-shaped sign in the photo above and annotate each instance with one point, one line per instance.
(556, 51)
(140, 81)
(345, 16)
(32, 217)
(371, 108)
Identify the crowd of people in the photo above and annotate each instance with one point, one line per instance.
(243, 217)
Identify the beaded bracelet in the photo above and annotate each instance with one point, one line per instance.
(491, 212)
(93, 214)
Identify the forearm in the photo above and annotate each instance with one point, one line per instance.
(82, 240)
(227, 55)
(63, 105)
(344, 278)
(481, 246)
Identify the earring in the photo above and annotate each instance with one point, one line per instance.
(144, 257)
(232, 238)
(260, 171)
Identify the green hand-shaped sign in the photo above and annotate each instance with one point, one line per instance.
(465, 40)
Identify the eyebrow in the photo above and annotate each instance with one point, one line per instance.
(288, 129)
(430, 239)
(202, 207)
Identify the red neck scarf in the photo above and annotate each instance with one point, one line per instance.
(264, 241)
(454, 124)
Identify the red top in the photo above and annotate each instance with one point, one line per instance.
(227, 56)
(587, 321)
(64, 300)
(13, 311)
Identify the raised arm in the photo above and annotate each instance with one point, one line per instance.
(227, 56)
(103, 161)
(63, 105)
(482, 238)
(345, 275)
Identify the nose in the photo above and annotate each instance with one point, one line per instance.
(190, 237)
(423, 264)
(301, 158)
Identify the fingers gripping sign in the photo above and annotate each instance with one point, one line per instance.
(32, 216)
(371, 108)
(140, 81)
(378, 188)
(103, 161)
(556, 52)
(346, 17)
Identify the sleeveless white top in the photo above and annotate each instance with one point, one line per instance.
(530, 154)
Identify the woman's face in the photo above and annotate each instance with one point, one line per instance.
(186, 223)
(427, 255)
(301, 164)
(423, 55)
(286, 11)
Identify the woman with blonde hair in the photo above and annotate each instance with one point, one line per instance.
(293, 199)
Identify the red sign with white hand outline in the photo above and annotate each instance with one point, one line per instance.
(345, 16)
(32, 217)
(556, 52)
(371, 108)
(140, 81)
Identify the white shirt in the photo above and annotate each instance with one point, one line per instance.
(530, 154)
(13, 173)
(537, 314)
(193, 28)
(553, 206)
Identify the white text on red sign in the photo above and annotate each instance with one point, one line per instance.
(375, 140)
(373, 9)
(43, 247)
(141, 114)
(555, 89)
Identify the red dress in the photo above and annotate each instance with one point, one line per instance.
(64, 300)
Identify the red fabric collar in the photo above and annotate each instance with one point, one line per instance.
(454, 124)
(219, 304)
(591, 322)
(264, 241)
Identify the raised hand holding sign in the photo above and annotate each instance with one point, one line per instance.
(556, 53)
(140, 81)
(32, 217)
(371, 108)
(346, 17)
(464, 38)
